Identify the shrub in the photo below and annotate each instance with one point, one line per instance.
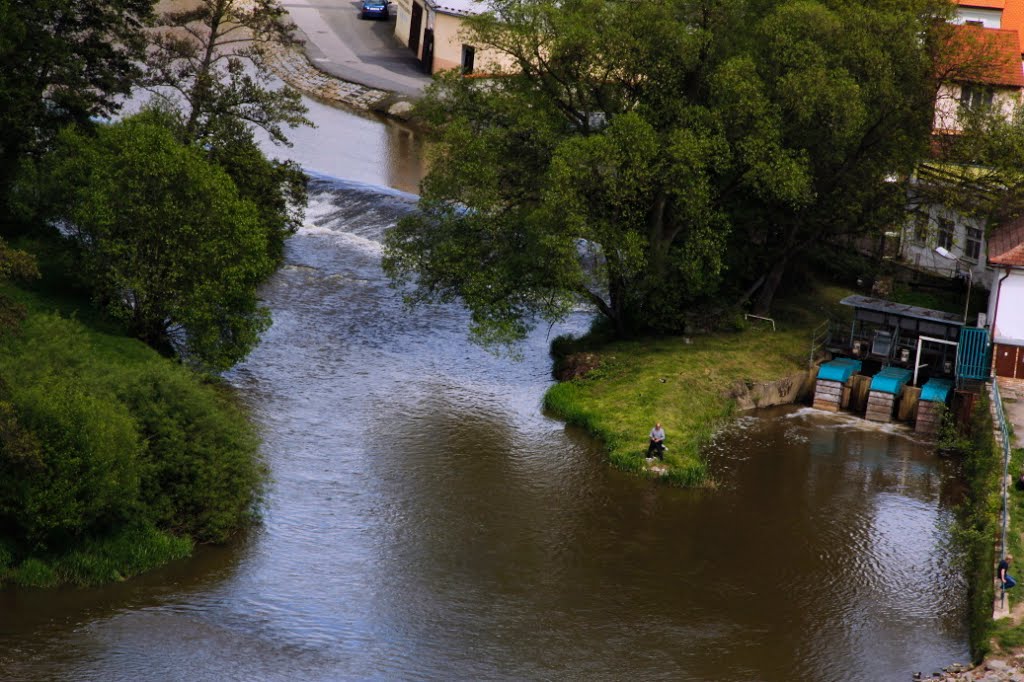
(112, 459)
(201, 470)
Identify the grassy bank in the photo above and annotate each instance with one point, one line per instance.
(1008, 633)
(684, 383)
(113, 459)
(978, 519)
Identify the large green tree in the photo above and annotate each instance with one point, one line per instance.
(167, 243)
(649, 161)
(63, 61)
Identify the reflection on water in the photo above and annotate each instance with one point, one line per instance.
(425, 521)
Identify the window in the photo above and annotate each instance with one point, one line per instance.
(973, 248)
(945, 233)
(975, 97)
(974, 22)
(921, 228)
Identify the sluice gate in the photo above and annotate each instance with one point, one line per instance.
(896, 362)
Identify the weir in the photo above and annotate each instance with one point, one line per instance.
(902, 363)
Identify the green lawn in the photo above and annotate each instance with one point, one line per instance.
(685, 385)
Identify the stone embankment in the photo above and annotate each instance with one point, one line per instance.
(294, 68)
(992, 670)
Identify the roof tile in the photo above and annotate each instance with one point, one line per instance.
(986, 55)
(1006, 244)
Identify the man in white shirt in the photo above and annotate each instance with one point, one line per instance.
(657, 446)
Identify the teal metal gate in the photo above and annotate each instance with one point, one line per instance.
(972, 355)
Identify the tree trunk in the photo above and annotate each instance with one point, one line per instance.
(763, 303)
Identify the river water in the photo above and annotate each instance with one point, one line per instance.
(425, 521)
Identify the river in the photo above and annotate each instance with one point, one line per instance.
(425, 521)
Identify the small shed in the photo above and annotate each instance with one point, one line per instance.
(889, 333)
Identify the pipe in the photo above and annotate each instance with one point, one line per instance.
(999, 292)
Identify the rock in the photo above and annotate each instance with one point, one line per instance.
(401, 110)
(997, 666)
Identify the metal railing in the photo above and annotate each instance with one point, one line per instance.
(819, 337)
(997, 402)
(747, 316)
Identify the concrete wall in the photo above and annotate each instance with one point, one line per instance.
(947, 105)
(449, 37)
(793, 388)
(403, 17)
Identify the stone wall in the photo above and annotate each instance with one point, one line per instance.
(787, 390)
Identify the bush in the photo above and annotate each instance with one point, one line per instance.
(201, 468)
(112, 459)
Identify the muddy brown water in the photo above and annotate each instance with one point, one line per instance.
(427, 522)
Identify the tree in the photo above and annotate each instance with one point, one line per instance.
(633, 159)
(209, 67)
(168, 245)
(214, 57)
(64, 61)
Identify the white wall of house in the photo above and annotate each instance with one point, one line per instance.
(963, 237)
(989, 18)
(403, 17)
(449, 38)
(1009, 319)
(948, 103)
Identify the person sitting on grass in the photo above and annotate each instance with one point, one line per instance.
(1005, 579)
(657, 445)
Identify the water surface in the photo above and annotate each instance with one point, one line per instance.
(426, 521)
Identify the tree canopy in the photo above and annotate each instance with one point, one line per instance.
(656, 163)
(64, 61)
(167, 243)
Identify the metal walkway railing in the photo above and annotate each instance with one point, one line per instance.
(1000, 418)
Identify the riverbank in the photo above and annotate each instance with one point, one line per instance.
(692, 385)
(114, 460)
(292, 65)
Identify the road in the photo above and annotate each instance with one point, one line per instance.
(366, 52)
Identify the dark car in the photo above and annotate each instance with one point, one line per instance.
(374, 9)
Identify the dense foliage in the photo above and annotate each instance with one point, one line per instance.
(114, 460)
(977, 526)
(63, 61)
(102, 440)
(657, 162)
(167, 244)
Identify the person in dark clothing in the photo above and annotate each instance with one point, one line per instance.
(1005, 579)
(657, 445)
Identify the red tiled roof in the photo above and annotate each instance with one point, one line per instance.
(986, 55)
(1006, 244)
(1013, 18)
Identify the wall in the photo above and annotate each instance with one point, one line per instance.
(947, 105)
(449, 37)
(1009, 319)
(403, 19)
(793, 388)
(921, 253)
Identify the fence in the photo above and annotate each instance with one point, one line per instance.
(1000, 418)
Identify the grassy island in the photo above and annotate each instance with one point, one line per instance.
(686, 383)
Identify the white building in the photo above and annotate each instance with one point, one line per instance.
(433, 30)
(990, 73)
(1006, 303)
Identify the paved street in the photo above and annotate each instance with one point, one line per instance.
(365, 52)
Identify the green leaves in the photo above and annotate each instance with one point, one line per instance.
(169, 246)
(655, 150)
